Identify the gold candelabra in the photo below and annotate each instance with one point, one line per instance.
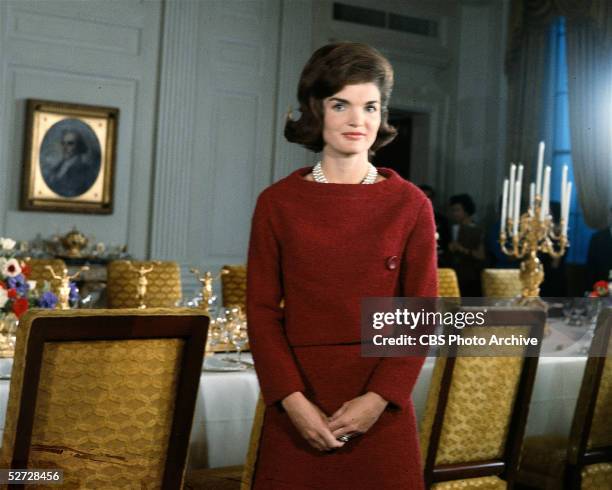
(64, 288)
(141, 286)
(534, 235)
(525, 235)
(206, 281)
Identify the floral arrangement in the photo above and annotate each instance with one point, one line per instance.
(600, 289)
(17, 292)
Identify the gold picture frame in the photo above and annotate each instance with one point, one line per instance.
(69, 157)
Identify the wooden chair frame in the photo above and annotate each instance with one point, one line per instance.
(190, 328)
(507, 466)
(580, 456)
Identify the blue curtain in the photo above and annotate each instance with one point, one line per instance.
(556, 134)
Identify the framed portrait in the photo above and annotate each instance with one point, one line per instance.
(69, 157)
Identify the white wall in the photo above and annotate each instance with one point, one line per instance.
(99, 53)
(203, 87)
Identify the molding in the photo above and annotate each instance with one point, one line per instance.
(60, 30)
(175, 133)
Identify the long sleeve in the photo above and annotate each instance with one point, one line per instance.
(395, 377)
(276, 368)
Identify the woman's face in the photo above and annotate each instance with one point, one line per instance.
(457, 213)
(351, 119)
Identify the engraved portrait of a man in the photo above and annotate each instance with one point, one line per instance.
(70, 158)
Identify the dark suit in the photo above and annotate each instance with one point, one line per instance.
(71, 177)
(599, 261)
(468, 267)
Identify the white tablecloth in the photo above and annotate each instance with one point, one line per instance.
(226, 405)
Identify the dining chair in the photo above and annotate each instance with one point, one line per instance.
(40, 273)
(475, 415)
(233, 285)
(107, 396)
(163, 284)
(501, 283)
(232, 477)
(448, 286)
(584, 459)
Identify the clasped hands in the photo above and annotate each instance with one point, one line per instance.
(320, 431)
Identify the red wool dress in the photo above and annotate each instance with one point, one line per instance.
(323, 247)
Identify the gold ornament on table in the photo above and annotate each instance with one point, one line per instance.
(74, 242)
(206, 281)
(64, 289)
(523, 236)
(141, 286)
(8, 331)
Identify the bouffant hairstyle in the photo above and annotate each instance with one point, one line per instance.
(328, 71)
(466, 202)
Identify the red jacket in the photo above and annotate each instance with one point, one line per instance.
(323, 247)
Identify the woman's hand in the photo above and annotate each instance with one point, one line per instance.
(310, 422)
(357, 415)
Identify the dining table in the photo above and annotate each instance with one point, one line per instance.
(229, 391)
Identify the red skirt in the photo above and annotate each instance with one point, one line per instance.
(386, 457)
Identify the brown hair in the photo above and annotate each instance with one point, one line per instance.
(328, 70)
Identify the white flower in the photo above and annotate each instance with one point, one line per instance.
(7, 243)
(32, 285)
(11, 268)
(3, 297)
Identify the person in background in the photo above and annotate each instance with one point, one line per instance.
(555, 281)
(466, 253)
(495, 257)
(599, 259)
(442, 229)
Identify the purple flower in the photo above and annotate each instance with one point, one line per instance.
(18, 283)
(47, 300)
(73, 297)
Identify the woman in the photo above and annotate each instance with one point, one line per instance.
(466, 250)
(322, 239)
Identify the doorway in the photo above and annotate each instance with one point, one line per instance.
(397, 154)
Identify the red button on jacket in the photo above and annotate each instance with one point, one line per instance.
(392, 262)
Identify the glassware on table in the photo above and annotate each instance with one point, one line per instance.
(239, 337)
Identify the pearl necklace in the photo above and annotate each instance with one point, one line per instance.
(319, 176)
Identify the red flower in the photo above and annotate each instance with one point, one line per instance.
(20, 306)
(26, 270)
(12, 293)
(601, 288)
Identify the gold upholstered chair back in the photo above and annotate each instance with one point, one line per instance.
(107, 396)
(448, 286)
(477, 407)
(233, 285)
(501, 283)
(40, 273)
(248, 473)
(163, 288)
(590, 444)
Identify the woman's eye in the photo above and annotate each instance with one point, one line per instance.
(338, 106)
(371, 108)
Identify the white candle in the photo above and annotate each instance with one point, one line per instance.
(517, 207)
(540, 165)
(563, 188)
(504, 211)
(531, 199)
(511, 191)
(546, 194)
(568, 200)
(519, 176)
(563, 180)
